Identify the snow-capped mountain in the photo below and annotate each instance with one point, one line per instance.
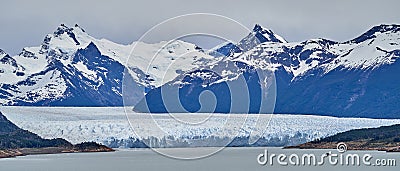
(317, 76)
(257, 36)
(376, 47)
(359, 79)
(71, 68)
(254, 38)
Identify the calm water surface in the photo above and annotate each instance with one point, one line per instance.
(243, 159)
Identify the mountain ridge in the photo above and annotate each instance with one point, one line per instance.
(316, 76)
(70, 68)
(46, 75)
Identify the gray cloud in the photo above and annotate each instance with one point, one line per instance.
(25, 23)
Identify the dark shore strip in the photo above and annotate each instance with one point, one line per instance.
(353, 145)
(385, 138)
(79, 148)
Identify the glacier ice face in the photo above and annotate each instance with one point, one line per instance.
(110, 126)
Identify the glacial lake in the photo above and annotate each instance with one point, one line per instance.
(146, 159)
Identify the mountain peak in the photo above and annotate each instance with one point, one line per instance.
(77, 26)
(257, 36)
(2, 53)
(4, 57)
(62, 28)
(371, 33)
(266, 35)
(70, 31)
(257, 28)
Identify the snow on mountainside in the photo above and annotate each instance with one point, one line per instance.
(166, 60)
(47, 71)
(2, 53)
(257, 36)
(9, 69)
(295, 58)
(254, 38)
(352, 78)
(378, 46)
(315, 76)
(70, 62)
(71, 68)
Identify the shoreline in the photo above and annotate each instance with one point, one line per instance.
(357, 146)
(11, 153)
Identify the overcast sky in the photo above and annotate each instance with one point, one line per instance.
(25, 23)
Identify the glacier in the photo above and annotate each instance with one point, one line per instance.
(110, 126)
